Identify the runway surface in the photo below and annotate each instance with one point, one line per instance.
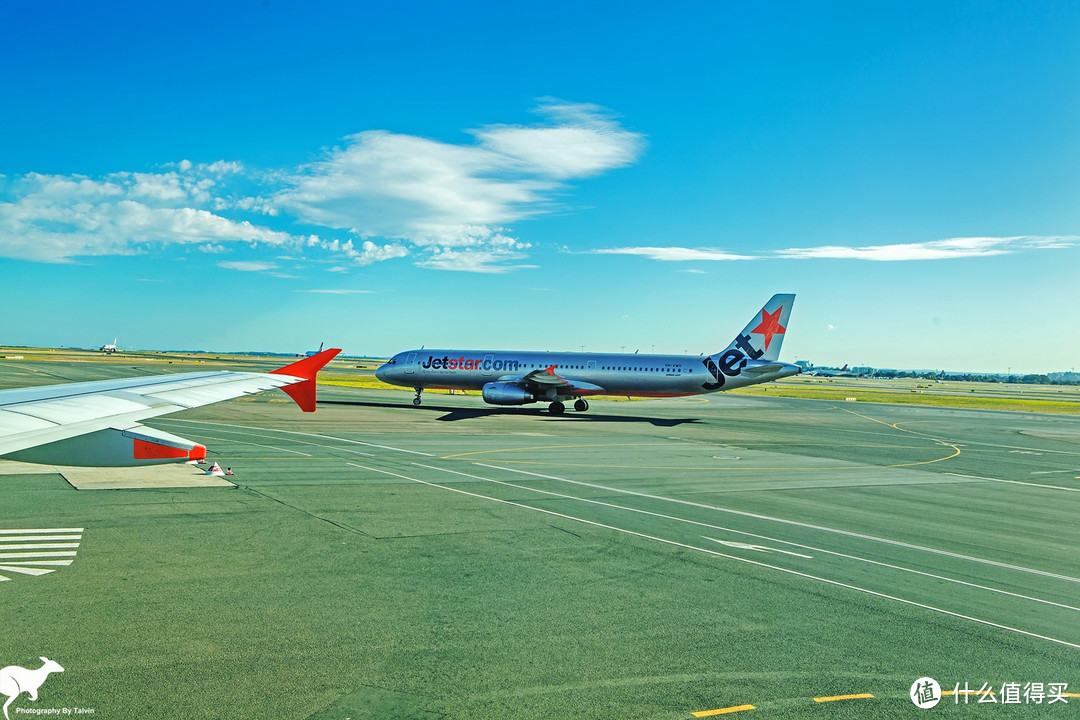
(642, 560)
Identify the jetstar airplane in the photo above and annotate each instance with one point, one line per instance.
(518, 378)
(94, 423)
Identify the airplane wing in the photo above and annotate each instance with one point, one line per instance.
(96, 423)
(539, 382)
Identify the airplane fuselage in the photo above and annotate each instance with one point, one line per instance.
(518, 378)
(617, 373)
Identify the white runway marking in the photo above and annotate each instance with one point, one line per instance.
(758, 548)
(35, 531)
(253, 444)
(16, 544)
(303, 434)
(795, 523)
(39, 546)
(1019, 482)
(724, 555)
(811, 548)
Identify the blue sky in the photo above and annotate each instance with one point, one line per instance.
(266, 176)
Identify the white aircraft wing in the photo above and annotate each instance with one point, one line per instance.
(96, 423)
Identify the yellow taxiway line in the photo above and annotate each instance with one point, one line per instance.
(833, 698)
(722, 711)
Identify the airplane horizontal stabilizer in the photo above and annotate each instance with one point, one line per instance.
(763, 369)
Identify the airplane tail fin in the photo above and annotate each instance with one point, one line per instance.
(764, 334)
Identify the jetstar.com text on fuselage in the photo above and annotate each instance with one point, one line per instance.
(462, 363)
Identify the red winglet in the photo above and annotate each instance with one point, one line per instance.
(304, 392)
(551, 370)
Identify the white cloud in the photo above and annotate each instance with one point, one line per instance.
(440, 196)
(932, 250)
(157, 187)
(674, 254)
(478, 261)
(443, 204)
(247, 265)
(582, 141)
(372, 253)
(222, 167)
(52, 218)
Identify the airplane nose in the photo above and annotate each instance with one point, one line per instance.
(380, 373)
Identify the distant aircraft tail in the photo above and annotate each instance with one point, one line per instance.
(764, 334)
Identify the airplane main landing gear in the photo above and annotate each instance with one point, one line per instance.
(556, 408)
(416, 400)
(581, 405)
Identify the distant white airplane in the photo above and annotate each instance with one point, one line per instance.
(109, 348)
(94, 423)
(518, 378)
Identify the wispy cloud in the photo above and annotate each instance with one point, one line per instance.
(674, 254)
(932, 250)
(248, 265)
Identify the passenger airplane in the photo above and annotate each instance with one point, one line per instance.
(843, 372)
(518, 378)
(107, 348)
(94, 423)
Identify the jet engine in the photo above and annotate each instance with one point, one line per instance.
(501, 393)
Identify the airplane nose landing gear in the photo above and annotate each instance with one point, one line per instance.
(416, 400)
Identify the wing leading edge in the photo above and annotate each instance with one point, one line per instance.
(96, 423)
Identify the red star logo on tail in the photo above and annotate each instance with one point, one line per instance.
(770, 325)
